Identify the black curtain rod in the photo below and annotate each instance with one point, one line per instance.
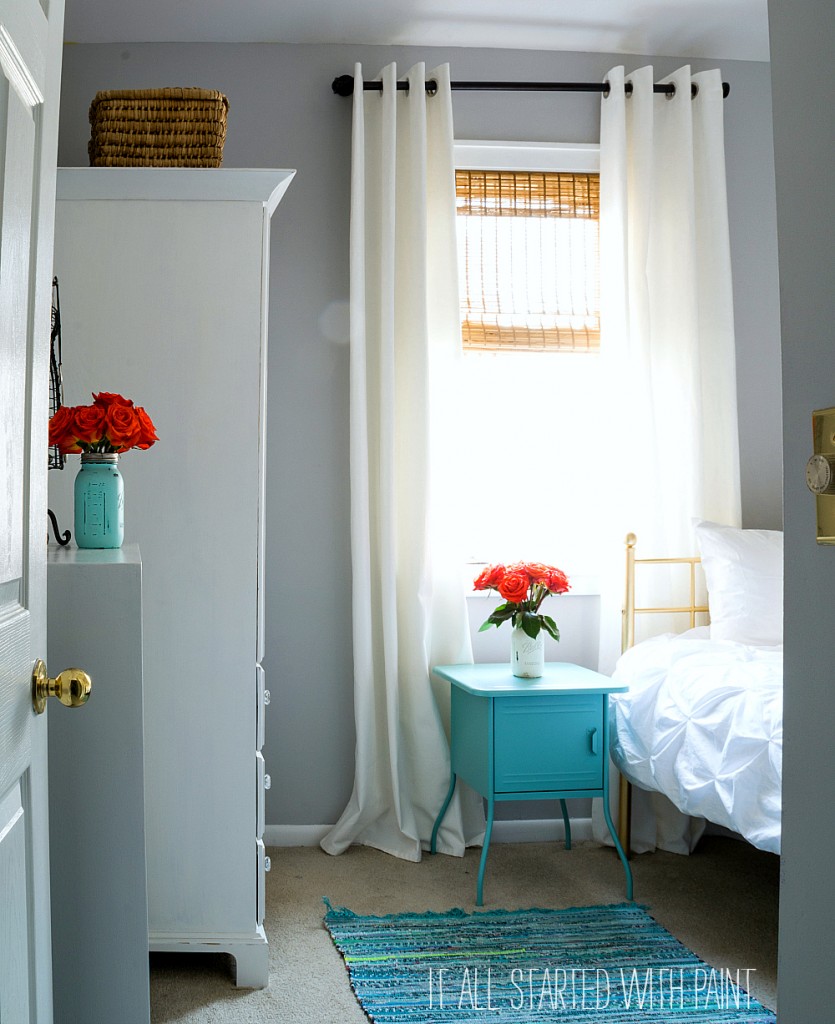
(343, 85)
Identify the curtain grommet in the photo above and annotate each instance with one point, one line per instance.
(694, 90)
(606, 90)
(671, 91)
(431, 87)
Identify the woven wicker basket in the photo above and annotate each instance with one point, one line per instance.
(158, 128)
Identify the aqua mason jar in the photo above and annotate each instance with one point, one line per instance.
(99, 502)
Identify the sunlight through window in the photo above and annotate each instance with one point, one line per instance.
(529, 275)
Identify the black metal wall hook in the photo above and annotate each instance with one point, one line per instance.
(62, 539)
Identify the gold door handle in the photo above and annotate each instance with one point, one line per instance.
(72, 687)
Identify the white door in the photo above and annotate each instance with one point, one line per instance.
(30, 67)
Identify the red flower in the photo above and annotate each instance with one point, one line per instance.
(111, 424)
(123, 427)
(489, 578)
(514, 586)
(106, 398)
(557, 581)
(524, 586)
(537, 572)
(88, 423)
(61, 430)
(148, 432)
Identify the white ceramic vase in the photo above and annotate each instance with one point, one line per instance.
(527, 656)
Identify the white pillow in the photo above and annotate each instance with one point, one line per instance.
(744, 576)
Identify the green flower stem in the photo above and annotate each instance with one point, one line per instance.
(516, 611)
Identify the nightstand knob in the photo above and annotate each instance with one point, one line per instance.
(593, 740)
(267, 782)
(267, 864)
(267, 697)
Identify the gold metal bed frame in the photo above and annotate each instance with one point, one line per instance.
(630, 611)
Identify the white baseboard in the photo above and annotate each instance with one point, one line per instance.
(295, 835)
(525, 830)
(539, 830)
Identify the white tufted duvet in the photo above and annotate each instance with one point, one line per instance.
(702, 723)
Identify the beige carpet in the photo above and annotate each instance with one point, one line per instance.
(721, 902)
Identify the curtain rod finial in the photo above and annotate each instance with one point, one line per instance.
(343, 85)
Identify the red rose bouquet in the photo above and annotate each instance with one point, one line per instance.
(524, 586)
(111, 424)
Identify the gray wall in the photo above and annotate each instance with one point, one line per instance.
(283, 114)
(803, 38)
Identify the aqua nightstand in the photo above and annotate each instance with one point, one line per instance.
(531, 739)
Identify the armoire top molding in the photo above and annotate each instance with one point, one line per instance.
(259, 185)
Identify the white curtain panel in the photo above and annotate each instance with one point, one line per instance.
(409, 610)
(667, 334)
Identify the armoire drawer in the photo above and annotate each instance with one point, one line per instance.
(262, 699)
(261, 863)
(262, 784)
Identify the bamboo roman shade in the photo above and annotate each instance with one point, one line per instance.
(530, 260)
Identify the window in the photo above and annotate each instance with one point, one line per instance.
(530, 259)
(529, 277)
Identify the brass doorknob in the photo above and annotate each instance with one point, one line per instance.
(72, 687)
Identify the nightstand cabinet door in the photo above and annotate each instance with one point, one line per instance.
(549, 743)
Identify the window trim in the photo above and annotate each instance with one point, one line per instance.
(475, 154)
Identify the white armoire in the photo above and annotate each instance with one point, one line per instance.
(164, 278)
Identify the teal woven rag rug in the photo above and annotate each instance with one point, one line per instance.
(588, 965)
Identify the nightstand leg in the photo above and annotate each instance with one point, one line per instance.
(491, 806)
(441, 813)
(607, 814)
(567, 824)
(625, 814)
